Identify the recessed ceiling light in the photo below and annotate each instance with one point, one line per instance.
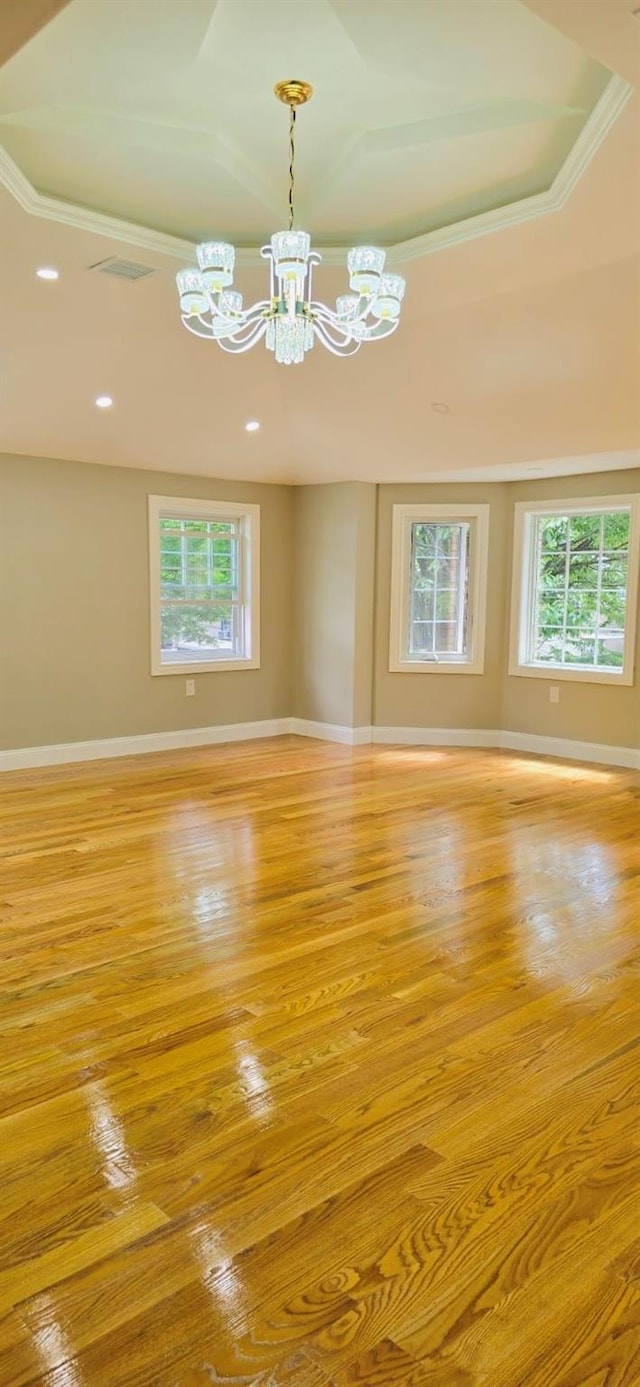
(252, 426)
(439, 407)
(47, 272)
(104, 401)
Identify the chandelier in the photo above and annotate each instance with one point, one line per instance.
(290, 319)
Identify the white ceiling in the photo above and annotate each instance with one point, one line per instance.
(530, 335)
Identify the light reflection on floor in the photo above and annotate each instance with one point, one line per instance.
(108, 1136)
(555, 770)
(563, 892)
(54, 1348)
(253, 1082)
(220, 1277)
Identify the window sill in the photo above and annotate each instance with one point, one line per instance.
(576, 676)
(209, 667)
(435, 667)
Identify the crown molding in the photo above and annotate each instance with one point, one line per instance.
(84, 219)
(605, 112)
(613, 100)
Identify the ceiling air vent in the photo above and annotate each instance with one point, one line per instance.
(122, 269)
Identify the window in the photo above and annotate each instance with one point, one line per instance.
(575, 584)
(438, 588)
(204, 558)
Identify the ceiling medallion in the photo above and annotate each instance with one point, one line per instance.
(290, 319)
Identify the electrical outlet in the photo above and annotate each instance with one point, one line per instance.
(554, 694)
(189, 687)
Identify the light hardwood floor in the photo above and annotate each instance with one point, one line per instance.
(320, 1066)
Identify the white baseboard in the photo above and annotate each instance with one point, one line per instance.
(26, 758)
(435, 736)
(32, 756)
(330, 732)
(571, 751)
(562, 747)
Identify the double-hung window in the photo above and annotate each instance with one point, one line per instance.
(575, 589)
(204, 584)
(438, 588)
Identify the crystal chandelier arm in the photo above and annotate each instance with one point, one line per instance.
(338, 333)
(383, 328)
(243, 344)
(347, 346)
(360, 314)
(246, 325)
(347, 342)
(267, 254)
(245, 314)
(365, 305)
(224, 326)
(314, 259)
(198, 326)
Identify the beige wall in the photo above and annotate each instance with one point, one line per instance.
(75, 588)
(433, 699)
(334, 563)
(75, 638)
(365, 500)
(586, 712)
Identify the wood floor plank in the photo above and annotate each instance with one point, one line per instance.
(19, 1360)
(274, 1274)
(577, 1319)
(386, 1364)
(320, 1067)
(48, 1268)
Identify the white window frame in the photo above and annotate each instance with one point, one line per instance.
(404, 516)
(524, 580)
(248, 517)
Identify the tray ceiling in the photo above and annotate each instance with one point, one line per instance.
(426, 112)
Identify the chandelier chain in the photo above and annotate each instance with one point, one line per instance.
(292, 152)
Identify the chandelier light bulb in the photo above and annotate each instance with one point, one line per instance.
(290, 319)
